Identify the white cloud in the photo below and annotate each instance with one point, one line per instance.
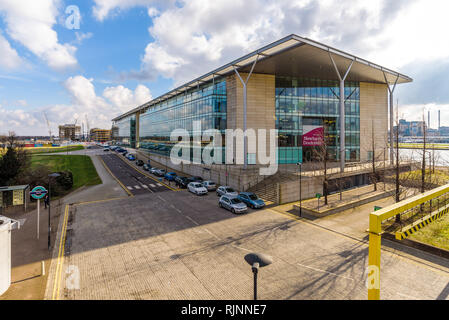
(9, 57)
(80, 37)
(105, 8)
(21, 102)
(19, 121)
(31, 24)
(199, 35)
(84, 101)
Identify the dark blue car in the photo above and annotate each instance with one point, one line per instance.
(251, 200)
(170, 176)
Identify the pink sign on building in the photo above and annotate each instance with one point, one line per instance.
(313, 136)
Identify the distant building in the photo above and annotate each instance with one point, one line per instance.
(100, 135)
(411, 128)
(444, 131)
(69, 132)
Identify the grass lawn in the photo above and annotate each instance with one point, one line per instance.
(438, 175)
(435, 234)
(437, 146)
(82, 168)
(53, 149)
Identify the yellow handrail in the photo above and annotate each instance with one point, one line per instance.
(375, 234)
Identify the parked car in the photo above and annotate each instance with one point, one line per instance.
(251, 200)
(146, 167)
(196, 188)
(131, 157)
(124, 153)
(197, 179)
(170, 176)
(160, 172)
(106, 149)
(233, 204)
(228, 191)
(181, 182)
(210, 185)
(153, 170)
(139, 163)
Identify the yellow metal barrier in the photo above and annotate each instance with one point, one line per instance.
(375, 234)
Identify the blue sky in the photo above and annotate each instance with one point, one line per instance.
(129, 51)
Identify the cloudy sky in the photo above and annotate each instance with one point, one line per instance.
(124, 52)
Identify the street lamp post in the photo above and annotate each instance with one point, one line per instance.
(299, 164)
(52, 175)
(256, 261)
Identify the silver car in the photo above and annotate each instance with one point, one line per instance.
(210, 185)
(196, 188)
(233, 204)
(153, 170)
(228, 191)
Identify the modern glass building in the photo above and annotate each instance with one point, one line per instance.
(206, 104)
(295, 85)
(124, 131)
(313, 102)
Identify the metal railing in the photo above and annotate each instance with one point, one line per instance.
(410, 211)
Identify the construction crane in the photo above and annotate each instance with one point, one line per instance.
(49, 128)
(74, 130)
(88, 129)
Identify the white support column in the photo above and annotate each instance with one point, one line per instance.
(391, 91)
(342, 112)
(244, 83)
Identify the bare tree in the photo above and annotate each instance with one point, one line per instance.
(323, 159)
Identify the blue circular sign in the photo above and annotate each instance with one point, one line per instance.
(38, 192)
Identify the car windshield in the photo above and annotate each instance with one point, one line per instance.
(229, 190)
(197, 185)
(253, 197)
(211, 183)
(235, 201)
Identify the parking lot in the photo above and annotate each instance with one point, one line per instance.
(166, 243)
(176, 245)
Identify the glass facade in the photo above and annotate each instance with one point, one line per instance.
(311, 102)
(124, 131)
(207, 104)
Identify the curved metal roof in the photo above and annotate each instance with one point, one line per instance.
(293, 56)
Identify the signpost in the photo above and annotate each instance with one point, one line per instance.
(38, 193)
(318, 196)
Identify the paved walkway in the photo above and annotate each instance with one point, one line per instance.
(336, 200)
(185, 247)
(28, 252)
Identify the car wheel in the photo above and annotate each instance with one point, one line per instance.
(233, 211)
(220, 205)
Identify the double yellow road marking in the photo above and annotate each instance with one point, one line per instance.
(60, 261)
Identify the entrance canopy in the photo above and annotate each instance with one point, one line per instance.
(296, 57)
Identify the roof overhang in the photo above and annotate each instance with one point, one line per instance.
(296, 57)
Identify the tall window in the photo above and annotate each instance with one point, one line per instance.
(303, 102)
(206, 104)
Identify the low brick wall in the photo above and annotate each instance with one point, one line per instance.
(345, 206)
(289, 191)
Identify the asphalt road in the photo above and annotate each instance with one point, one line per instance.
(137, 183)
(176, 245)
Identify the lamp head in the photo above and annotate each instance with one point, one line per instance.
(256, 260)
